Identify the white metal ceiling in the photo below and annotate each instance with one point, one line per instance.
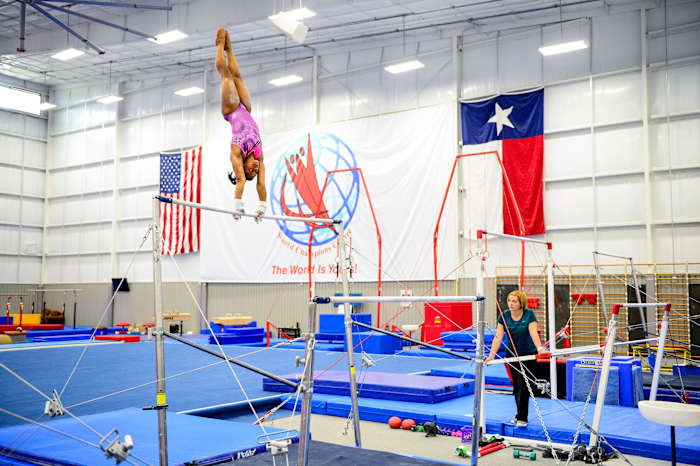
(337, 24)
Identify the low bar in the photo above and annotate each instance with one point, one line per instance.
(402, 299)
(582, 349)
(194, 205)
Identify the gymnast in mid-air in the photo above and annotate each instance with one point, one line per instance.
(246, 147)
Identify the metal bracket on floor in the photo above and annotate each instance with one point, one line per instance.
(278, 446)
(115, 448)
(54, 407)
(367, 361)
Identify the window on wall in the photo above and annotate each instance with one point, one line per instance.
(17, 99)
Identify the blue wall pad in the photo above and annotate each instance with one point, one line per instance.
(494, 375)
(629, 385)
(385, 385)
(190, 439)
(637, 385)
(374, 343)
(335, 323)
(583, 379)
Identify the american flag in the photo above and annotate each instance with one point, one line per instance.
(180, 179)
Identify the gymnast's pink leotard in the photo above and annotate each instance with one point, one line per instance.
(246, 133)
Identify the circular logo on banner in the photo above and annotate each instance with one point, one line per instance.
(298, 181)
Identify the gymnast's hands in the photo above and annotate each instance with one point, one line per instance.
(238, 209)
(262, 207)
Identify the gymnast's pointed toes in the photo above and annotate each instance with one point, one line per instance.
(221, 36)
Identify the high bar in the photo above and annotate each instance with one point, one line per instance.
(397, 299)
(479, 233)
(582, 349)
(194, 205)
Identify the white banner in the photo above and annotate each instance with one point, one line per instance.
(405, 159)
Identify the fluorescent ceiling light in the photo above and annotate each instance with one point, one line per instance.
(167, 37)
(405, 66)
(188, 91)
(287, 23)
(68, 54)
(563, 47)
(46, 106)
(300, 13)
(110, 99)
(285, 80)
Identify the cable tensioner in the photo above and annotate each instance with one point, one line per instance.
(115, 448)
(54, 406)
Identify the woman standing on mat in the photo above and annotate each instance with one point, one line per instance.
(246, 148)
(522, 328)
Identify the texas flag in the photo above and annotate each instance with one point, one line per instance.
(503, 185)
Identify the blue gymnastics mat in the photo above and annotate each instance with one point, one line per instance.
(191, 439)
(72, 337)
(495, 375)
(625, 428)
(113, 376)
(384, 385)
(66, 331)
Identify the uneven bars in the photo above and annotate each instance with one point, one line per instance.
(611, 255)
(479, 234)
(396, 299)
(169, 200)
(582, 349)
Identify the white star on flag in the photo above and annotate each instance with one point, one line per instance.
(501, 118)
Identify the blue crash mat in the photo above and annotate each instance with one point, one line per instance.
(384, 385)
(65, 331)
(624, 427)
(191, 439)
(81, 336)
(494, 375)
